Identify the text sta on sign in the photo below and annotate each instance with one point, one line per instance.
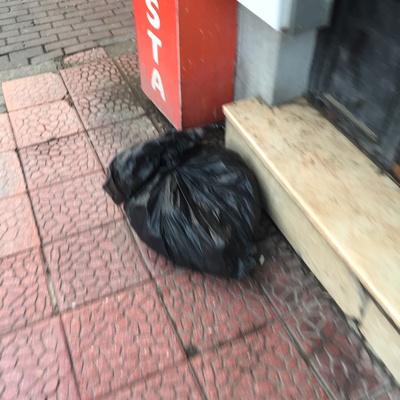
(154, 19)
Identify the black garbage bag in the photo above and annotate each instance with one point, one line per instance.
(196, 205)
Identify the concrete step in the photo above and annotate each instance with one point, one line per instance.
(340, 213)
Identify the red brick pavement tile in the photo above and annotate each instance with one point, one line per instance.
(94, 264)
(24, 296)
(33, 91)
(91, 77)
(34, 364)
(7, 141)
(160, 122)
(208, 311)
(262, 365)
(175, 383)
(108, 140)
(106, 106)
(284, 281)
(119, 340)
(86, 56)
(57, 160)
(41, 123)
(11, 178)
(157, 264)
(129, 64)
(17, 226)
(71, 207)
(335, 351)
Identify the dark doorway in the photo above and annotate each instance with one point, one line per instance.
(355, 79)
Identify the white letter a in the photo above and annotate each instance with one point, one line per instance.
(156, 83)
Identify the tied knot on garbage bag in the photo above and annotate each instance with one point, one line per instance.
(196, 205)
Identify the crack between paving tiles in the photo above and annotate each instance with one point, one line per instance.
(51, 139)
(299, 349)
(49, 283)
(66, 180)
(85, 131)
(106, 295)
(52, 292)
(142, 252)
(179, 339)
(364, 344)
(69, 98)
(339, 311)
(131, 384)
(281, 318)
(69, 351)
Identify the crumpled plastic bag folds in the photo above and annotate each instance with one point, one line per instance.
(196, 205)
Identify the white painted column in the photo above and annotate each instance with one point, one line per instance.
(276, 42)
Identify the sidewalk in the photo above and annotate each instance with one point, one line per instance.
(35, 31)
(88, 311)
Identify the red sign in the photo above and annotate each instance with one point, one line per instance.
(157, 44)
(187, 57)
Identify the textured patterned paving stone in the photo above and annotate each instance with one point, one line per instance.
(24, 296)
(11, 177)
(108, 140)
(160, 122)
(283, 280)
(156, 263)
(41, 123)
(336, 352)
(119, 340)
(7, 141)
(175, 383)
(262, 365)
(106, 106)
(94, 264)
(86, 56)
(129, 64)
(33, 91)
(72, 207)
(17, 226)
(91, 77)
(208, 311)
(57, 160)
(34, 364)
